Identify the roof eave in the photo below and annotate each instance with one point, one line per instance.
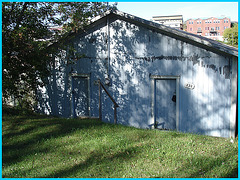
(200, 41)
(189, 37)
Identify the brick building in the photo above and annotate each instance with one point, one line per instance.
(212, 28)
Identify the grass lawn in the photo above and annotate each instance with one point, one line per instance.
(38, 146)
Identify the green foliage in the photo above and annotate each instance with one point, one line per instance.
(77, 15)
(17, 111)
(53, 147)
(230, 35)
(26, 36)
(24, 57)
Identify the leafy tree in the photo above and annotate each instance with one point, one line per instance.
(77, 15)
(26, 35)
(230, 35)
(23, 55)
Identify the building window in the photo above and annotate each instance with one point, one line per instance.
(214, 21)
(190, 29)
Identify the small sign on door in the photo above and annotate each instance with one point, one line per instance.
(189, 86)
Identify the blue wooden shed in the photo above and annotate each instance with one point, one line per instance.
(130, 71)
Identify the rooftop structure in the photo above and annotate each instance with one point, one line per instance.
(174, 21)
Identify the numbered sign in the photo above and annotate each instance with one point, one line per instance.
(189, 86)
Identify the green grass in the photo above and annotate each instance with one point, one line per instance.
(39, 146)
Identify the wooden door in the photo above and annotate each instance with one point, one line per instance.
(165, 103)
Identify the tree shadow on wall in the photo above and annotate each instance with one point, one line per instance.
(136, 53)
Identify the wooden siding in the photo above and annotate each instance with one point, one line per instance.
(137, 53)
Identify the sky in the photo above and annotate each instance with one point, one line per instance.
(189, 10)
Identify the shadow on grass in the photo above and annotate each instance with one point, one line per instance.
(24, 134)
(105, 162)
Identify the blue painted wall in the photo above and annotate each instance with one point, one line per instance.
(136, 53)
